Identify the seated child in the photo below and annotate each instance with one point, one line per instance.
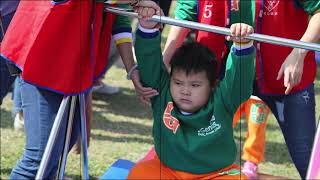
(192, 127)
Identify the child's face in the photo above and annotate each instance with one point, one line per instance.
(191, 92)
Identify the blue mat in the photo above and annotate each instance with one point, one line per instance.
(118, 170)
(318, 57)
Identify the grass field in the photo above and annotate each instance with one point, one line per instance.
(122, 129)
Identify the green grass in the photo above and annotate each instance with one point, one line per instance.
(122, 129)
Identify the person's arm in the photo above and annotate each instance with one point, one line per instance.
(123, 38)
(148, 53)
(185, 10)
(292, 67)
(236, 87)
(147, 48)
(175, 39)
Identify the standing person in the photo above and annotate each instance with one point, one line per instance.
(192, 127)
(7, 10)
(214, 13)
(51, 70)
(291, 98)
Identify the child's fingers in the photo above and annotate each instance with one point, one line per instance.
(233, 30)
(150, 12)
(144, 101)
(139, 11)
(149, 4)
(238, 31)
(250, 30)
(149, 94)
(244, 29)
(145, 13)
(229, 38)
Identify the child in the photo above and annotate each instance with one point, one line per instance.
(192, 127)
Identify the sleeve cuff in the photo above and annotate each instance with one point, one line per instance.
(122, 38)
(242, 49)
(147, 33)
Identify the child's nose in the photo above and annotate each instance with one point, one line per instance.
(186, 91)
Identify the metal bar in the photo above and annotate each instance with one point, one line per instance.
(52, 137)
(62, 165)
(84, 155)
(314, 166)
(221, 30)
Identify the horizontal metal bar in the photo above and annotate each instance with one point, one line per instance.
(221, 30)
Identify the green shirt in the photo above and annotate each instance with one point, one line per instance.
(202, 142)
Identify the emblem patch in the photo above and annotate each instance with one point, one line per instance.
(258, 113)
(169, 121)
(212, 128)
(271, 4)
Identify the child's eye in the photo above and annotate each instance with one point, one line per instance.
(177, 83)
(195, 85)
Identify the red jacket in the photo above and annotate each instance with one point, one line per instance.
(280, 18)
(213, 13)
(283, 19)
(56, 45)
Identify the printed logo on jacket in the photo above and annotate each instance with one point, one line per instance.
(169, 121)
(271, 7)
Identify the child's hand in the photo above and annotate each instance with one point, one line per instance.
(239, 31)
(145, 10)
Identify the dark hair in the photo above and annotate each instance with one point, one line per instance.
(194, 57)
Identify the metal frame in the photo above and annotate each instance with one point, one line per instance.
(220, 30)
(56, 129)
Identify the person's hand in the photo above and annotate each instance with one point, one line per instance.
(145, 10)
(292, 69)
(145, 93)
(239, 31)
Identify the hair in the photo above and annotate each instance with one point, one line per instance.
(194, 57)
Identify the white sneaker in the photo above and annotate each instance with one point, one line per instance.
(19, 122)
(105, 89)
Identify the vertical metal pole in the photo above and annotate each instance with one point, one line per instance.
(84, 155)
(62, 165)
(314, 166)
(53, 137)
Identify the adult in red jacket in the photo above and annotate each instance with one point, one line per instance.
(285, 76)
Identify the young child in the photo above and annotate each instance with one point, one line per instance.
(193, 114)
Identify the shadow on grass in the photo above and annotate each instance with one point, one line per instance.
(72, 176)
(5, 171)
(121, 139)
(6, 120)
(103, 123)
(125, 103)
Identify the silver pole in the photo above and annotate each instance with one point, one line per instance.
(314, 159)
(221, 30)
(52, 137)
(84, 155)
(62, 165)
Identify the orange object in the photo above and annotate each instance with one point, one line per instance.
(256, 113)
(154, 169)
